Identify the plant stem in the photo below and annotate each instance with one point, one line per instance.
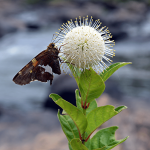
(84, 111)
(83, 138)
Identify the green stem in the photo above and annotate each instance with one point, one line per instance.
(83, 135)
(84, 111)
(83, 138)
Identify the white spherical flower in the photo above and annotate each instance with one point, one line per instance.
(86, 44)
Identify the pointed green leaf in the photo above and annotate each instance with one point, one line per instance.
(92, 105)
(120, 108)
(91, 85)
(105, 139)
(55, 97)
(111, 69)
(98, 116)
(76, 144)
(76, 115)
(68, 126)
(64, 112)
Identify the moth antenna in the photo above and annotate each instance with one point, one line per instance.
(57, 36)
(57, 41)
(52, 38)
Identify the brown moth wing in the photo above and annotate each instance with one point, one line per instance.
(55, 66)
(34, 70)
(40, 74)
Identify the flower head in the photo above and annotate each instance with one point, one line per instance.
(86, 43)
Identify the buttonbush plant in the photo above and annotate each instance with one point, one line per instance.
(80, 121)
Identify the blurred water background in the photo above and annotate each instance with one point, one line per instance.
(27, 27)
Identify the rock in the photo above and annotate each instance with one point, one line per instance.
(33, 26)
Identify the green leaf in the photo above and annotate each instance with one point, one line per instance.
(92, 105)
(120, 108)
(76, 144)
(91, 85)
(88, 143)
(76, 73)
(103, 148)
(76, 115)
(68, 126)
(111, 69)
(69, 145)
(78, 100)
(100, 115)
(105, 139)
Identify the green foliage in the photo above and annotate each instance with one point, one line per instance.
(92, 105)
(76, 144)
(68, 127)
(104, 113)
(78, 123)
(76, 115)
(111, 69)
(105, 139)
(91, 85)
(76, 73)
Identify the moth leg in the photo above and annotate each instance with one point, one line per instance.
(51, 82)
(61, 46)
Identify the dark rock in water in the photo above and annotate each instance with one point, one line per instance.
(32, 26)
(64, 86)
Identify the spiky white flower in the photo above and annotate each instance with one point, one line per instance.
(86, 44)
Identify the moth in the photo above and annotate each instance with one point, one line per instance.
(40, 67)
